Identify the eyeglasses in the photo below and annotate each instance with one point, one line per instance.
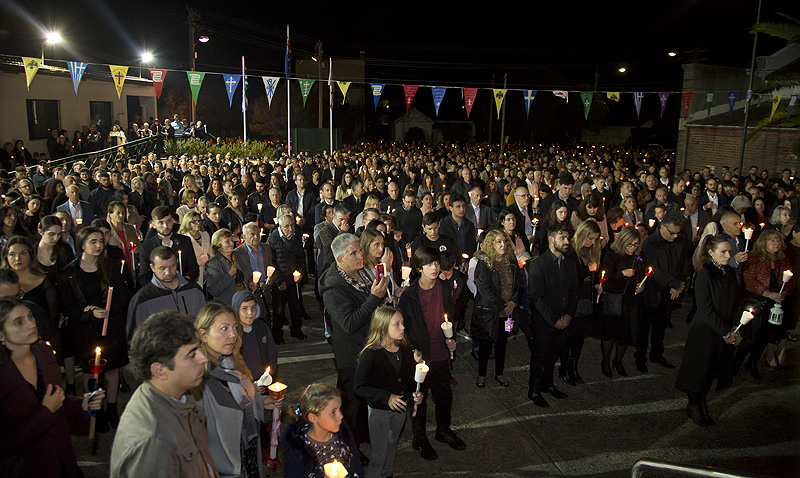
(672, 233)
(633, 245)
(195, 221)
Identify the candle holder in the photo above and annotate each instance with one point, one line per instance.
(96, 368)
(276, 391)
(419, 377)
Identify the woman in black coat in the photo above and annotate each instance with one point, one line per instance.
(708, 352)
(500, 286)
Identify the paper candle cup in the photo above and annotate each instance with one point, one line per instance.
(259, 206)
(746, 317)
(79, 221)
(787, 275)
(265, 380)
(421, 372)
(593, 267)
(296, 275)
(334, 469)
(748, 233)
(256, 277)
(270, 271)
(277, 390)
(406, 272)
(652, 222)
(447, 328)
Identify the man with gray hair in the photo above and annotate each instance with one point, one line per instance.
(252, 256)
(339, 225)
(288, 257)
(743, 207)
(81, 211)
(350, 299)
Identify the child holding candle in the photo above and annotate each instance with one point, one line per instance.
(385, 378)
(320, 436)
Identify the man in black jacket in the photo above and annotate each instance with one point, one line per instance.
(162, 223)
(458, 228)
(286, 249)
(553, 289)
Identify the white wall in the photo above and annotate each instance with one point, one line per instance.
(74, 110)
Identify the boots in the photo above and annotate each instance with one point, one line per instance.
(535, 394)
(694, 410)
(572, 371)
(709, 421)
(564, 373)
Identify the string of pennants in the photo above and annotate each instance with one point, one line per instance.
(195, 78)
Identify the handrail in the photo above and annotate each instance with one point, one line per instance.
(679, 469)
(134, 148)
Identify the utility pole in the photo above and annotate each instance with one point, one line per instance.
(749, 92)
(318, 57)
(192, 18)
(503, 119)
(491, 118)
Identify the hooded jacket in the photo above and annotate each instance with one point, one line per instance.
(154, 297)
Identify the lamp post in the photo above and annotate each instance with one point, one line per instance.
(193, 40)
(51, 38)
(318, 58)
(146, 58)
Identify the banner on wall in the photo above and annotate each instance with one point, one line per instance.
(158, 77)
(305, 88)
(499, 96)
(562, 94)
(231, 83)
(776, 100)
(118, 75)
(76, 69)
(409, 91)
(732, 101)
(31, 67)
(377, 91)
(195, 82)
(438, 95)
(792, 102)
(586, 100)
(686, 100)
(637, 101)
(529, 95)
(613, 95)
(270, 83)
(469, 98)
(663, 96)
(344, 86)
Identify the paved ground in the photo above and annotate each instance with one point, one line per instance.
(600, 430)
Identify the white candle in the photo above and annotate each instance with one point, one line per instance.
(334, 469)
(421, 373)
(405, 271)
(748, 233)
(122, 267)
(97, 357)
(259, 205)
(265, 380)
(180, 261)
(787, 275)
(746, 317)
(652, 222)
(296, 275)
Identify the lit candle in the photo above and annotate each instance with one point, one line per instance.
(787, 275)
(265, 380)
(746, 317)
(651, 222)
(334, 469)
(447, 329)
(405, 271)
(593, 267)
(408, 250)
(256, 277)
(646, 275)
(97, 357)
(602, 281)
(465, 256)
(270, 271)
(122, 267)
(180, 261)
(748, 234)
(259, 205)
(79, 221)
(480, 231)
(522, 261)
(297, 219)
(296, 275)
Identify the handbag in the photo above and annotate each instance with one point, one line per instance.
(584, 308)
(612, 303)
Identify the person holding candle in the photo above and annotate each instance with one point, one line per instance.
(223, 275)
(320, 436)
(375, 252)
(385, 378)
(164, 235)
(500, 285)
(228, 396)
(424, 304)
(192, 227)
(254, 257)
(123, 235)
(84, 286)
(520, 246)
(34, 410)
(258, 345)
(765, 278)
(114, 254)
(709, 344)
(288, 256)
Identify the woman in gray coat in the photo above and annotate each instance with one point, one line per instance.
(223, 278)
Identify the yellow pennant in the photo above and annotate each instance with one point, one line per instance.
(499, 96)
(613, 95)
(118, 74)
(344, 86)
(776, 100)
(31, 67)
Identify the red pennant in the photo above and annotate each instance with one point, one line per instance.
(686, 99)
(410, 91)
(469, 98)
(158, 77)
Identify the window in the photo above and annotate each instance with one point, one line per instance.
(43, 115)
(101, 112)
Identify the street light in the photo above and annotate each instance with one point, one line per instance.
(672, 54)
(146, 58)
(50, 38)
(203, 39)
(622, 69)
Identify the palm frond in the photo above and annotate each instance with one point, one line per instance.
(786, 31)
(778, 120)
(789, 17)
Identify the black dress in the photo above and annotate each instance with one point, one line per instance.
(620, 329)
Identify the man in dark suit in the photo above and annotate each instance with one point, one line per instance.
(327, 193)
(76, 208)
(564, 193)
(253, 256)
(164, 236)
(339, 225)
(553, 289)
(302, 202)
(355, 201)
(458, 228)
(260, 196)
(523, 212)
(695, 221)
(624, 190)
(479, 214)
(463, 185)
(711, 199)
(333, 173)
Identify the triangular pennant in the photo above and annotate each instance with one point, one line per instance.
(31, 67)
(529, 95)
(586, 99)
(344, 86)
(469, 98)
(613, 95)
(231, 83)
(732, 101)
(305, 88)
(118, 74)
(377, 90)
(158, 77)
(76, 69)
(245, 84)
(438, 95)
(499, 96)
(709, 102)
(747, 100)
(662, 97)
(760, 97)
(410, 91)
(637, 101)
(776, 100)
(792, 102)
(270, 83)
(562, 94)
(195, 82)
(686, 100)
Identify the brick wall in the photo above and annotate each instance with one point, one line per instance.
(720, 146)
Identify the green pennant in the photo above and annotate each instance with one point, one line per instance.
(195, 82)
(709, 102)
(586, 99)
(305, 88)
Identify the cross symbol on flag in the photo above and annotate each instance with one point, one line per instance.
(529, 96)
(157, 76)
(194, 79)
(231, 84)
(469, 102)
(119, 76)
(499, 95)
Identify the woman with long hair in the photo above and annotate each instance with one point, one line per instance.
(633, 215)
(123, 235)
(592, 208)
(32, 215)
(426, 203)
(192, 226)
(709, 344)
(344, 189)
(762, 210)
(500, 286)
(507, 221)
(233, 215)
(214, 190)
(371, 202)
(84, 285)
(52, 253)
(10, 225)
(557, 214)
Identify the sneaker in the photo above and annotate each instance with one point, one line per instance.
(447, 436)
(423, 446)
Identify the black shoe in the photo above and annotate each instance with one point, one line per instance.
(695, 412)
(556, 393)
(572, 371)
(447, 436)
(641, 365)
(299, 335)
(606, 369)
(538, 399)
(620, 369)
(423, 446)
(565, 376)
(704, 407)
(480, 384)
(752, 367)
(502, 383)
(662, 361)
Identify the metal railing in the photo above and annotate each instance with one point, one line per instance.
(679, 469)
(136, 148)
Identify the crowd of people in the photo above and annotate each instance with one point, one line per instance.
(185, 271)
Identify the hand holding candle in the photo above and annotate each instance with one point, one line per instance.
(276, 391)
(447, 329)
(334, 469)
(602, 281)
(419, 377)
(297, 275)
(646, 275)
(265, 380)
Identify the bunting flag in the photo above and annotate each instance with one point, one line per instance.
(377, 90)
(287, 64)
(747, 100)
(245, 84)
(76, 69)
(270, 83)
(305, 88)
(438, 95)
(410, 91)
(158, 77)
(31, 67)
(613, 95)
(586, 99)
(776, 100)
(231, 83)
(469, 98)
(118, 74)
(732, 101)
(499, 96)
(709, 102)
(344, 86)
(686, 100)
(637, 101)
(195, 82)
(562, 94)
(529, 95)
(663, 96)
(792, 102)
(760, 97)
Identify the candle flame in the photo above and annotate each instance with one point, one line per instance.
(267, 371)
(445, 317)
(97, 351)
